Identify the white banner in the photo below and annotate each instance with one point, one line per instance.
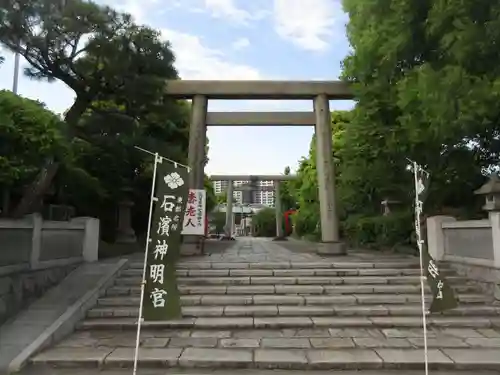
(194, 218)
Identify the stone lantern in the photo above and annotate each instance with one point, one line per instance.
(491, 191)
(125, 233)
(388, 206)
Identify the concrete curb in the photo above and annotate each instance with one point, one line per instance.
(66, 323)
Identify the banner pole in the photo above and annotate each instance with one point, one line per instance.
(422, 275)
(143, 283)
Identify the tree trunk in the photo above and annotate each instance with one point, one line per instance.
(44, 179)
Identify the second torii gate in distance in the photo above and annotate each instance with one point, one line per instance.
(277, 179)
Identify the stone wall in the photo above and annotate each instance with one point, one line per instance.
(20, 288)
(471, 247)
(37, 254)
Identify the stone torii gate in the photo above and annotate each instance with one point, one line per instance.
(320, 92)
(231, 188)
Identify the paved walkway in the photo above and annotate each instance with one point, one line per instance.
(33, 323)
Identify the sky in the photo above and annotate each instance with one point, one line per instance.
(240, 40)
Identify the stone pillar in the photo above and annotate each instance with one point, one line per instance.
(279, 213)
(229, 209)
(197, 140)
(91, 237)
(435, 236)
(330, 237)
(494, 217)
(196, 160)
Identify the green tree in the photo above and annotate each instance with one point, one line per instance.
(221, 198)
(264, 222)
(424, 74)
(28, 134)
(100, 54)
(286, 192)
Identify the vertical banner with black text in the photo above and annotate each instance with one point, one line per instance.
(161, 296)
(443, 297)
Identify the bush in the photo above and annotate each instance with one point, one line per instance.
(380, 231)
(306, 222)
(264, 223)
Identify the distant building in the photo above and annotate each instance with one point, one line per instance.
(250, 196)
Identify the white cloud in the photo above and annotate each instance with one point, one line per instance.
(194, 60)
(310, 24)
(240, 44)
(228, 9)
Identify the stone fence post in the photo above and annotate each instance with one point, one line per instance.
(435, 236)
(36, 239)
(91, 237)
(495, 231)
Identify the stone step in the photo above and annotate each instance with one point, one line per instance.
(305, 280)
(272, 358)
(308, 311)
(229, 323)
(118, 290)
(46, 370)
(294, 272)
(294, 300)
(412, 263)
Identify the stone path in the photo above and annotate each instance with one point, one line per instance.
(32, 323)
(264, 305)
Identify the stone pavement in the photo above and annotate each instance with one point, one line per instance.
(33, 323)
(261, 304)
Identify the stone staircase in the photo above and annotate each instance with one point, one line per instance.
(351, 313)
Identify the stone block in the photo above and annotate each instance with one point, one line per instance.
(484, 342)
(371, 342)
(230, 266)
(365, 280)
(155, 342)
(330, 299)
(273, 280)
(332, 343)
(278, 299)
(199, 342)
(211, 333)
(299, 289)
(254, 310)
(361, 310)
(311, 310)
(282, 322)
(270, 265)
(485, 359)
(380, 299)
(72, 357)
(341, 322)
(251, 272)
(250, 289)
(228, 323)
(294, 272)
(199, 311)
(239, 343)
(203, 289)
(354, 359)
(348, 289)
(209, 273)
(319, 280)
(336, 272)
(210, 357)
(280, 359)
(413, 358)
(286, 342)
(226, 300)
(439, 342)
